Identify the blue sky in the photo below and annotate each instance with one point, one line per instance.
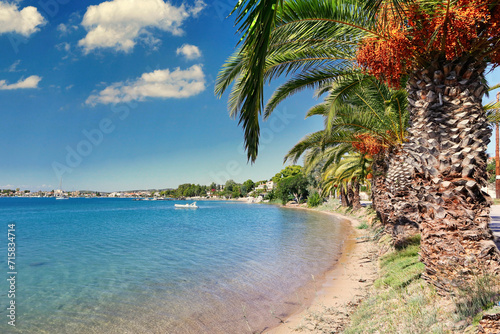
(118, 95)
(144, 73)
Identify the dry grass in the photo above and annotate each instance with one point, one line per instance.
(401, 302)
(475, 298)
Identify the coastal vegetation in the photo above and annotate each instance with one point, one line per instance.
(364, 121)
(400, 300)
(427, 171)
(314, 200)
(291, 184)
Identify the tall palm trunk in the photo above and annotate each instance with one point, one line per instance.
(350, 193)
(394, 198)
(344, 199)
(356, 198)
(379, 168)
(448, 138)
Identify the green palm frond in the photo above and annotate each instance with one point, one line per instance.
(256, 20)
(492, 108)
(351, 167)
(361, 105)
(320, 109)
(315, 139)
(310, 79)
(373, 6)
(313, 41)
(229, 72)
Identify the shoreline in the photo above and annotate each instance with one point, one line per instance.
(334, 290)
(341, 288)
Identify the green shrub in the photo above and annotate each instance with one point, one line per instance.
(285, 198)
(271, 195)
(314, 200)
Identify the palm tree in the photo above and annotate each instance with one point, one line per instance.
(309, 41)
(368, 117)
(347, 175)
(277, 40)
(442, 47)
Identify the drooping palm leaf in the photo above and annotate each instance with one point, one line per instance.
(256, 19)
(314, 41)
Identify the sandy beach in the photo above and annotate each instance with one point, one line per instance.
(341, 289)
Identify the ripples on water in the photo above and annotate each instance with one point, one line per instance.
(122, 266)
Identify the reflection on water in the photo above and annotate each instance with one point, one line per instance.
(122, 266)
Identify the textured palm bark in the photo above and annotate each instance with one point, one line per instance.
(448, 138)
(344, 201)
(489, 324)
(356, 199)
(350, 194)
(394, 197)
(379, 168)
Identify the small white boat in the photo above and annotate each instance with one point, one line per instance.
(188, 206)
(60, 193)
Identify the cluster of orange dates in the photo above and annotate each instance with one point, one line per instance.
(367, 144)
(450, 28)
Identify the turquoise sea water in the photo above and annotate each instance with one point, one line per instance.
(123, 266)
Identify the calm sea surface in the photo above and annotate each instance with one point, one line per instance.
(123, 266)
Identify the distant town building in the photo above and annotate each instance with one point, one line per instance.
(269, 185)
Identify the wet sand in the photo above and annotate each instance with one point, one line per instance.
(340, 290)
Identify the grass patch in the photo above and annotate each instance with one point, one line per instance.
(400, 268)
(412, 240)
(275, 201)
(474, 297)
(408, 310)
(363, 226)
(401, 302)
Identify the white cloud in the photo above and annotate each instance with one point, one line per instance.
(189, 51)
(66, 29)
(199, 5)
(157, 84)
(66, 48)
(24, 22)
(29, 82)
(63, 46)
(119, 24)
(63, 28)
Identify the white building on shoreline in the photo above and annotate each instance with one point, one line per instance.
(267, 186)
